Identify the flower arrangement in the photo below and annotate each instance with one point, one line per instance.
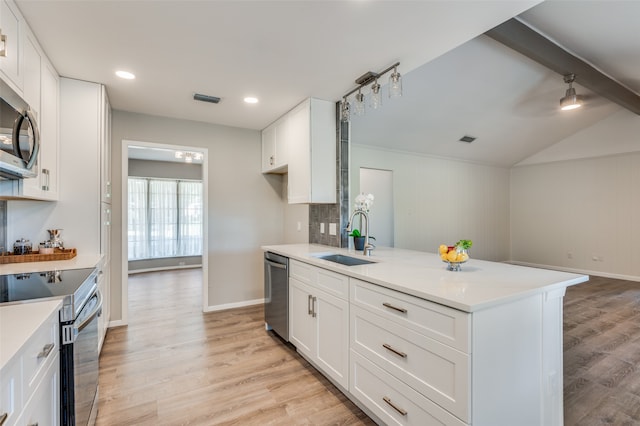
(364, 202)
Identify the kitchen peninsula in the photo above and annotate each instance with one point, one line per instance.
(414, 343)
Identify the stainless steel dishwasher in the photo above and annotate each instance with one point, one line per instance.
(276, 294)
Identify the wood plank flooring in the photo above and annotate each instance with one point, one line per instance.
(174, 365)
(601, 353)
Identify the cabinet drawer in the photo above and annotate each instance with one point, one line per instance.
(437, 371)
(380, 392)
(11, 390)
(438, 322)
(328, 281)
(44, 406)
(41, 347)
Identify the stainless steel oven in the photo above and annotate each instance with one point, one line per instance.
(84, 371)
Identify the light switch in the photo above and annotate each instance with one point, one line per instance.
(322, 228)
(299, 227)
(332, 229)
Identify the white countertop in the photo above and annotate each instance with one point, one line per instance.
(479, 285)
(78, 262)
(18, 323)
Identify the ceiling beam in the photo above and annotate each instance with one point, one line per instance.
(522, 38)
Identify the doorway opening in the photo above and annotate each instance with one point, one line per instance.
(164, 211)
(379, 183)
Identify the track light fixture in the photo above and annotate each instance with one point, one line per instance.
(570, 100)
(375, 101)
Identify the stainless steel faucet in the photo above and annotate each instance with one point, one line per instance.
(367, 247)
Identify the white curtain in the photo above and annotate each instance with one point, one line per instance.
(137, 226)
(165, 218)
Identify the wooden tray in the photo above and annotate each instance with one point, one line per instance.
(35, 256)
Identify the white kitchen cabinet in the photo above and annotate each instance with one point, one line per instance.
(29, 382)
(41, 92)
(312, 152)
(274, 147)
(105, 290)
(11, 23)
(319, 319)
(105, 149)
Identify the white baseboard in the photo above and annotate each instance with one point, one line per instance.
(116, 323)
(163, 268)
(233, 305)
(579, 271)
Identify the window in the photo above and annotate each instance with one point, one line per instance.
(165, 218)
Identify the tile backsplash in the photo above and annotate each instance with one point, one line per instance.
(334, 213)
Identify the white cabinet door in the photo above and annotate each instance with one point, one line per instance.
(105, 290)
(43, 407)
(274, 147)
(105, 149)
(332, 342)
(312, 152)
(302, 324)
(49, 139)
(10, 50)
(319, 328)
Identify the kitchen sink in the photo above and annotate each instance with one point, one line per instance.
(344, 260)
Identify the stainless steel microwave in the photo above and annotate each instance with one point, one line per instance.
(19, 136)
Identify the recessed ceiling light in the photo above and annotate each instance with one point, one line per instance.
(251, 100)
(126, 75)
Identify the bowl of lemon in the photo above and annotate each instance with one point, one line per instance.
(454, 256)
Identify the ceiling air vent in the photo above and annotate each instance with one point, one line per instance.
(206, 98)
(467, 139)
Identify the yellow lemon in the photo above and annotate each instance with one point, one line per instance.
(443, 256)
(443, 249)
(463, 257)
(452, 256)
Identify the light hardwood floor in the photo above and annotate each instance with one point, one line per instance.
(174, 365)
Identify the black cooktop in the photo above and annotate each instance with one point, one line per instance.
(41, 285)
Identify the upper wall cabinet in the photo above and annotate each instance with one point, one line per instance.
(39, 87)
(312, 152)
(11, 44)
(274, 147)
(303, 144)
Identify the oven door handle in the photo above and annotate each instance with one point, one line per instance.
(92, 315)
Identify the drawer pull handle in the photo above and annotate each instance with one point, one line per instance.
(46, 350)
(395, 308)
(3, 418)
(313, 306)
(395, 351)
(309, 308)
(33, 424)
(394, 406)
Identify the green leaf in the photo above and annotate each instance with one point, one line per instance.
(465, 244)
(355, 233)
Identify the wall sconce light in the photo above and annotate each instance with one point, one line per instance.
(375, 100)
(570, 100)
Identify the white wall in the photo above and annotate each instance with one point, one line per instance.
(440, 201)
(245, 207)
(566, 213)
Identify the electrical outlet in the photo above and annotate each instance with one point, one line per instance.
(299, 227)
(332, 229)
(322, 228)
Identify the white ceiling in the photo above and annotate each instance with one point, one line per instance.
(285, 51)
(280, 51)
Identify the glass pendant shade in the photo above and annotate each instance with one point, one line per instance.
(376, 97)
(358, 104)
(395, 84)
